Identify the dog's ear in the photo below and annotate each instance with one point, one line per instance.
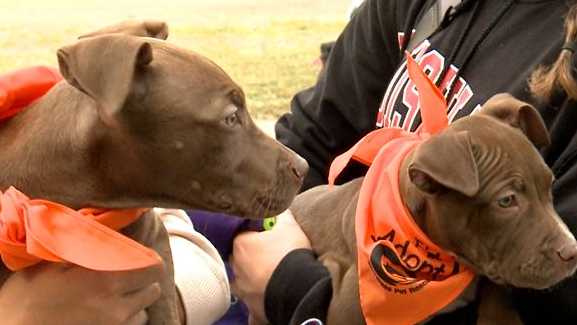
(445, 161)
(518, 114)
(142, 28)
(106, 69)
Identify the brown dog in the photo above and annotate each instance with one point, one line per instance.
(457, 186)
(142, 123)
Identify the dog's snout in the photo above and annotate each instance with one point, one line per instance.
(299, 167)
(568, 252)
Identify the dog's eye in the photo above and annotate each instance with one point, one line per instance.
(232, 119)
(507, 201)
(236, 98)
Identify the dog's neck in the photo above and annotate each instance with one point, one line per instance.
(45, 149)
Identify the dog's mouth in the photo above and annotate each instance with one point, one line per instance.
(525, 277)
(255, 201)
(534, 274)
(259, 208)
(540, 275)
(496, 278)
(261, 205)
(491, 271)
(266, 206)
(269, 202)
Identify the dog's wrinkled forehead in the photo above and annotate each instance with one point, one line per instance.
(485, 146)
(116, 69)
(503, 149)
(489, 135)
(518, 114)
(180, 75)
(183, 62)
(507, 123)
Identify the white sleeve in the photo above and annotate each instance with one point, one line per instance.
(199, 271)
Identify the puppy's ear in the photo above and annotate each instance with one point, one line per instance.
(106, 68)
(518, 114)
(142, 28)
(445, 161)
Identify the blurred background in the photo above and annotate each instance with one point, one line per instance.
(267, 46)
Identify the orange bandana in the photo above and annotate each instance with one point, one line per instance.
(36, 230)
(20, 88)
(404, 277)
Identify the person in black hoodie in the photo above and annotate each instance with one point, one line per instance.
(483, 47)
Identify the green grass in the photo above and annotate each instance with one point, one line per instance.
(267, 46)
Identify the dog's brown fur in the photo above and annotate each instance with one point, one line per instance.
(139, 122)
(452, 184)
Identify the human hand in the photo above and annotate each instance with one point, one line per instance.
(55, 293)
(257, 254)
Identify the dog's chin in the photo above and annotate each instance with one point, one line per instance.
(488, 271)
(268, 203)
(537, 282)
(253, 204)
(539, 273)
(528, 277)
(263, 206)
(519, 279)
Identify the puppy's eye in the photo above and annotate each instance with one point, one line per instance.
(232, 119)
(236, 98)
(507, 201)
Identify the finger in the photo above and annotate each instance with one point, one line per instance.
(244, 241)
(117, 282)
(232, 264)
(140, 299)
(141, 318)
(235, 290)
(235, 262)
(255, 320)
(138, 279)
(245, 235)
(285, 218)
(46, 267)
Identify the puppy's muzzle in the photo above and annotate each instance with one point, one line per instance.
(568, 253)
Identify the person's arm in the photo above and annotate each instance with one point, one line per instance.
(277, 275)
(255, 257)
(199, 271)
(559, 304)
(300, 289)
(329, 118)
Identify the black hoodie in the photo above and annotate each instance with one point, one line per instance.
(490, 46)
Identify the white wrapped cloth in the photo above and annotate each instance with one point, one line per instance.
(199, 271)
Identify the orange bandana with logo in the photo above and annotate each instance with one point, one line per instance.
(35, 230)
(404, 277)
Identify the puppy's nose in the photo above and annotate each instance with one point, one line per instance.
(299, 167)
(568, 252)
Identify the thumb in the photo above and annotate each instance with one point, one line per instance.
(288, 228)
(286, 218)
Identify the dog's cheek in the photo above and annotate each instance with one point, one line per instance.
(529, 260)
(474, 242)
(455, 228)
(530, 273)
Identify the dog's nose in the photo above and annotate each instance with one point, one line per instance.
(568, 252)
(299, 167)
